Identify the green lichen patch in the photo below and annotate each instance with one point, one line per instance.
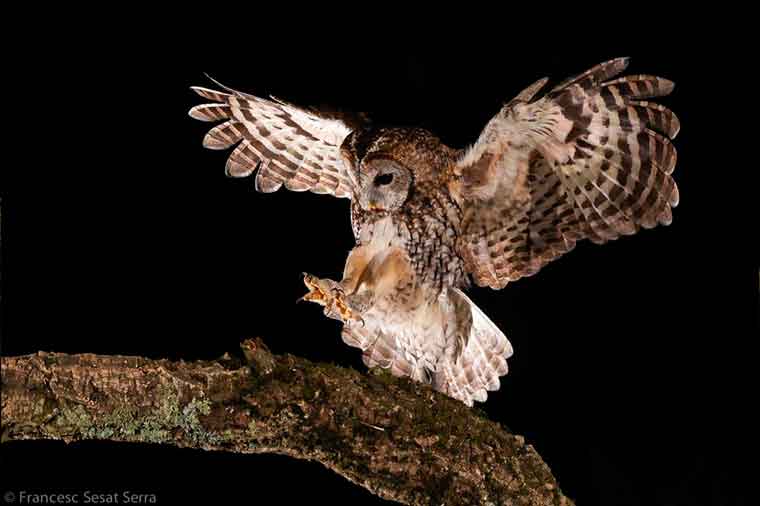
(72, 418)
(170, 420)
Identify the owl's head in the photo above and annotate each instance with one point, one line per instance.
(388, 162)
(384, 184)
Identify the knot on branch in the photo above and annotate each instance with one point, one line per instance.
(257, 355)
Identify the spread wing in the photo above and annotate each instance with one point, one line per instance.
(291, 146)
(589, 160)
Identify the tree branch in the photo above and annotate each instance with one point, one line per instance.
(398, 438)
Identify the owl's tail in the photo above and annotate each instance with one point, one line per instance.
(473, 359)
(468, 375)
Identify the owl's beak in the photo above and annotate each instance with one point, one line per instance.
(372, 206)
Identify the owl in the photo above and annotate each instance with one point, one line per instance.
(589, 159)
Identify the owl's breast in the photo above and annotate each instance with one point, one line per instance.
(426, 228)
(429, 225)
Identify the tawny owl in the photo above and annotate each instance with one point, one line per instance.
(590, 159)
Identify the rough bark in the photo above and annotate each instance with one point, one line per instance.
(399, 439)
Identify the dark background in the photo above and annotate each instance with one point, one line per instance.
(121, 235)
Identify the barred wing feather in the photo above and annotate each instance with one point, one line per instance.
(291, 146)
(589, 160)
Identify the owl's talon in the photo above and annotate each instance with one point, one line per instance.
(317, 290)
(329, 294)
(347, 314)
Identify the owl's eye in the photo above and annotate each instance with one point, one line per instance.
(383, 179)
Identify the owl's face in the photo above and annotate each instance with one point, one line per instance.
(384, 184)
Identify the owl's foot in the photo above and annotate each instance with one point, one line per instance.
(331, 295)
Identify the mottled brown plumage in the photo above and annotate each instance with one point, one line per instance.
(588, 160)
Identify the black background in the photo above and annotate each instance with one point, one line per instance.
(121, 235)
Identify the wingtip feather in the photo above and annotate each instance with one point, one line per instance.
(667, 86)
(196, 113)
(193, 113)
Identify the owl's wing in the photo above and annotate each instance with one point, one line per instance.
(291, 146)
(589, 160)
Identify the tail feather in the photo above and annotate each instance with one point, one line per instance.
(466, 373)
(469, 376)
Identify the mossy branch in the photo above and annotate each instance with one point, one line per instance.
(399, 439)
